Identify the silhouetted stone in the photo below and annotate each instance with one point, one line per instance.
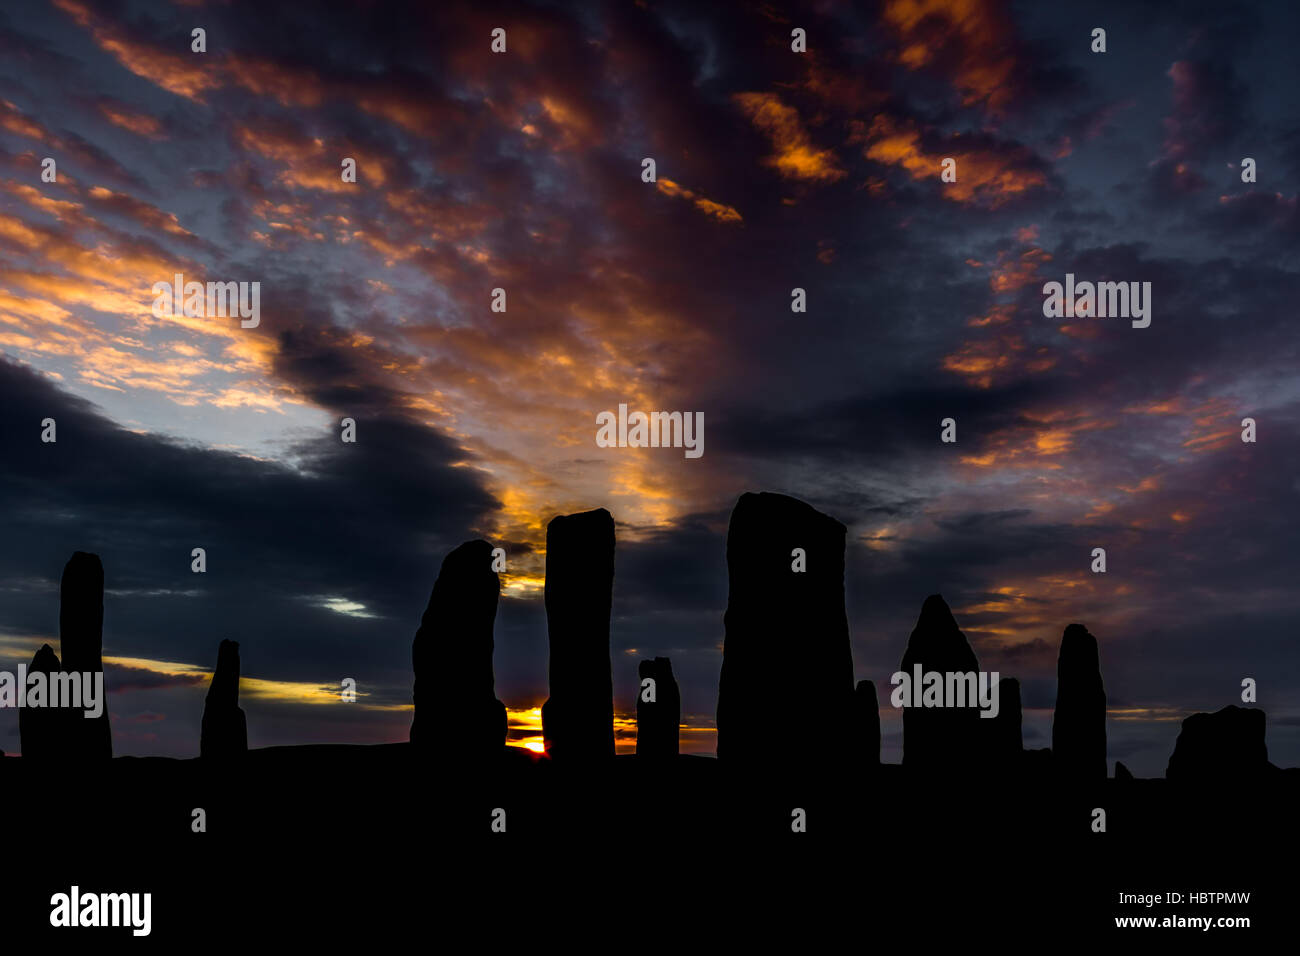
(578, 718)
(657, 723)
(81, 636)
(940, 739)
(456, 708)
(867, 707)
(786, 689)
(1039, 764)
(1079, 721)
(43, 731)
(224, 732)
(1007, 742)
(1122, 772)
(1224, 747)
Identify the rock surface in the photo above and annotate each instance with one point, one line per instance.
(1007, 737)
(456, 709)
(42, 731)
(578, 718)
(81, 637)
(940, 738)
(224, 732)
(1224, 747)
(867, 707)
(786, 689)
(658, 723)
(1079, 720)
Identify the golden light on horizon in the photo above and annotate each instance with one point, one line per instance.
(527, 719)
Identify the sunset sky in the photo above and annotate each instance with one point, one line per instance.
(776, 170)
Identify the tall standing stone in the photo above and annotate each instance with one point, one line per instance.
(1225, 748)
(658, 721)
(1008, 739)
(578, 718)
(456, 708)
(81, 636)
(939, 739)
(867, 706)
(43, 731)
(786, 689)
(1079, 721)
(224, 731)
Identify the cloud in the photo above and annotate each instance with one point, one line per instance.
(795, 156)
(988, 173)
(719, 211)
(373, 518)
(521, 172)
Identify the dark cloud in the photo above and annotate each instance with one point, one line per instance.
(367, 522)
(522, 171)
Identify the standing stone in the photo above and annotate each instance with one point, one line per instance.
(939, 739)
(1226, 747)
(657, 723)
(578, 719)
(224, 732)
(456, 708)
(1079, 721)
(81, 636)
(868, 713)
(786, 690)
(1008, 741)
(43, 731)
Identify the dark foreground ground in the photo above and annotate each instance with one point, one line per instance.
(334, 845)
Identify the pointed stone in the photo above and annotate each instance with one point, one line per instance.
(578, 718)
(1079, 721)
(1008, 742)
(224, 732)
(43, 731)
(867, 706)
(786, 690)
(81, 636)
(939, 739)
(1226, 747)
(658, 722)
(456, 708)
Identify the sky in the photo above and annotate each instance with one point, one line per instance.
(774, 170)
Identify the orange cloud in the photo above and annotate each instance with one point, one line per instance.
(141, 124)
(1015, 272)
(1042, 438)
(289, 86)
(311, 163)
(1214, 424)
(795, 157)
(186, 74)
(969, 39)
(20, 124)
(977, 361)
(137, 210)
(985, 176)
(707, 206)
